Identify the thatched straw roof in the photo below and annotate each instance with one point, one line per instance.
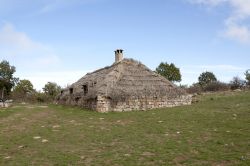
(126, 79)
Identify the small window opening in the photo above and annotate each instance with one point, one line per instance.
(93, 84)
(77, 99)
(85, 89)
(71, 90)
(61, 92)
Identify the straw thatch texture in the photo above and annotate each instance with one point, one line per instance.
(124, 81)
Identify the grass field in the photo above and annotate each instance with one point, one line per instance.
(214, 131)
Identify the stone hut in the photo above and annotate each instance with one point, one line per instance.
(124, 86)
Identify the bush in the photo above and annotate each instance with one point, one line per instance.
(210, 87)
(34, 97)
(237, 83)
(183, 86)
(216, 86)
(43, 98)
(20, 97)
(195, 88)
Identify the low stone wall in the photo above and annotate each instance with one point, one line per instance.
(106, 105)
(5, 104)
(147, 104)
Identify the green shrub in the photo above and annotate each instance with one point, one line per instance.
(206, 77)
(216, 86)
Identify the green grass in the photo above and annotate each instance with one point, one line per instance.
(214, 131)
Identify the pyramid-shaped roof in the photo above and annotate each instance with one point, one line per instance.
(125, 79)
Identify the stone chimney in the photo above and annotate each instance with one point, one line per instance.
(118, 55)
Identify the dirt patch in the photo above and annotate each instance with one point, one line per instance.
(123, 122)
(224, 163)
(43, 106)
(178, 160)
(30, 106)
(147, 154)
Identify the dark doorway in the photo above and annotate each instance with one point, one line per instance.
(85, 89)
(71, 90)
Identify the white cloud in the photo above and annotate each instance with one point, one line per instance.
(62, 78)
(242, 7)
(17, 40)
(228, 68)
(52, 5)
(235, 28)
(57, 4)
(238, 32)
(208, 2)
(48, 60)
(15, 45)
(29, 57)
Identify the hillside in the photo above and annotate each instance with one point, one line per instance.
(214, 131)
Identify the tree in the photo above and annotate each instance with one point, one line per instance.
(247, 74)
(171, 72)
(236, 83)
(206, 78)
(23, 89)
(51, 89)
(7, 80)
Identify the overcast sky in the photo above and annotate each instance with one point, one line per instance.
(61, 40)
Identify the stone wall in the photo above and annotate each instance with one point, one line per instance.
(5, 104)
(150, 103)
(105, 104)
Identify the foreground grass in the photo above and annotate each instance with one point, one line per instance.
(215, 131)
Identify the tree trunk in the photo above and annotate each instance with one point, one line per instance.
(2, 93)
(3, 97)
